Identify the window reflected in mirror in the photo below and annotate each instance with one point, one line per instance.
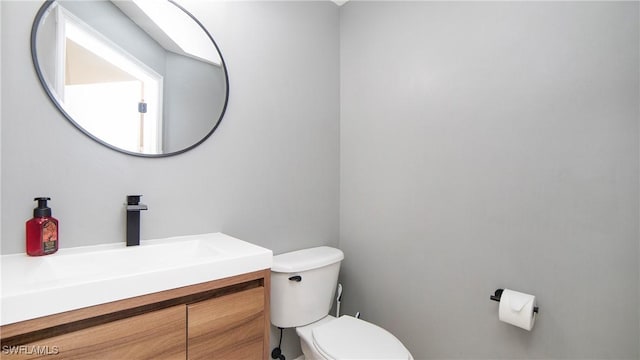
(94, 69)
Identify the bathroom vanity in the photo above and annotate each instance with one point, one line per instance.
(224, 317)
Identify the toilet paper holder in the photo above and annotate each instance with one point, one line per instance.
(498, 294)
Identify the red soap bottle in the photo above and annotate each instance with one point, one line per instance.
(42, 230)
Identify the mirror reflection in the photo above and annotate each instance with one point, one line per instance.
(140, 76)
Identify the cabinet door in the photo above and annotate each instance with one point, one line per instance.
(227, 327)
(155, 335)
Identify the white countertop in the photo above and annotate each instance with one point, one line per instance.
(74, 278)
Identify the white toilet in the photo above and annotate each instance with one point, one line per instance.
(303, 285)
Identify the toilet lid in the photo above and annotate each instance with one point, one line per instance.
(351, 338)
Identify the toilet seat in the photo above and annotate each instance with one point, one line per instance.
(349, 338)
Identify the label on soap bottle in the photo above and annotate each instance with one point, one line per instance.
(49, 236)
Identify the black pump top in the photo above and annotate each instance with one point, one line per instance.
(42, 210)
(133, 199)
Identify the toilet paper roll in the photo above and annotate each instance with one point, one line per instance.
(516, 308)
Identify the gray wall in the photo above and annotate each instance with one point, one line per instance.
(269, 175)
(488, 145)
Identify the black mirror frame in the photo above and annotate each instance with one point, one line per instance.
(34, 30)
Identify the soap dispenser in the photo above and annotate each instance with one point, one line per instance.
(42, 230)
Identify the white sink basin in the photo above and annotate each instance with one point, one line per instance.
(84, 276)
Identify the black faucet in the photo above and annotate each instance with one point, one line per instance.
(133, 219)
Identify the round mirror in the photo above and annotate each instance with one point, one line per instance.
(143, 77)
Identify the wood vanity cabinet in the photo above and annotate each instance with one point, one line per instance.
(221, 319)
(228, 327)
(159, 335)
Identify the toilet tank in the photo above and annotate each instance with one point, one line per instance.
(303, 285)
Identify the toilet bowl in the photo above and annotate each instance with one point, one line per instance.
(349, 338)
(303, 284)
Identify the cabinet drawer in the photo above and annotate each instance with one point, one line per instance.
(227, 327)
(155, 335)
